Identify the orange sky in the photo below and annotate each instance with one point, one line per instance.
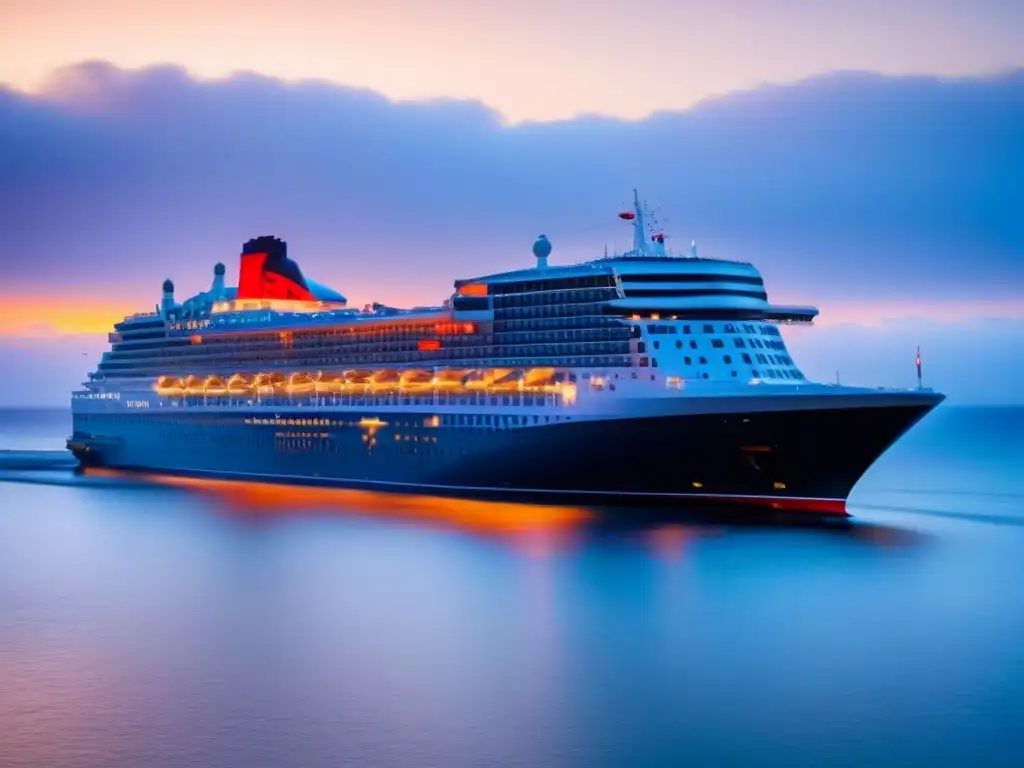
(530, 59)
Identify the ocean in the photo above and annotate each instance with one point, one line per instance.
(156, 622)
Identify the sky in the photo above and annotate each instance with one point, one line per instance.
(866, 156)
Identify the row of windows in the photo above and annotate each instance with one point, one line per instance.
(709, 328)
(237, 349)
(563, 298)
(568, 355)
(719, 344)
(496, 362)
(686, 293)
(549, 284)
(653, 277)
(433, 422)
(550, 310)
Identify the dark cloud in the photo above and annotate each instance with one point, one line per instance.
(848, 185)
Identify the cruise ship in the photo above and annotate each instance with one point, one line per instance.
(637, 377)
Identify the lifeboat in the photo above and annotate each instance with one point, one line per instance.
(358, 376)
(170, 385)
(263, 383)
(539, 377)
(194, 384)
(449, 378)
(330, 382)
(214, 385)
(474, 380)
(387, 378)
(507, 380)
(240, 384)
(302, 382)
(417, 379)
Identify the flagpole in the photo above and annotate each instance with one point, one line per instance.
(919, 386)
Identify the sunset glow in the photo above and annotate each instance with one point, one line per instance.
(531, 60)
(50, 316)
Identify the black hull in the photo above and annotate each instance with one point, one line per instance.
(801, 460)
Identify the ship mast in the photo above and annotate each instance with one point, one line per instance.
(639, 240)
(646, 241)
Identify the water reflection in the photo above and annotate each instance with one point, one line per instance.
(531, 530)
(255, 499)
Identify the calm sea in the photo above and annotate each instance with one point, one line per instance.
(155, 624)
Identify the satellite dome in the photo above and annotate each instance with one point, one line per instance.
(542, 247)
(168, 286)
(218, 269)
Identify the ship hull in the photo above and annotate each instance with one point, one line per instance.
(798, 459)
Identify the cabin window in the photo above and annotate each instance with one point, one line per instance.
(746, 359)
(686, 329)
(717, 343)
(709, 329)
(679, 344)
(703, 360)
(693, 344)
(654, 362)
(755, 374)
(688, 360)
(727, 359)
(704, 376)
(740, 344)
(657, 345)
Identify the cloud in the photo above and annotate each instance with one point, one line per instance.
(878, 197)
(847, 186)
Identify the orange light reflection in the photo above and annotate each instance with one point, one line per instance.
(242, 497)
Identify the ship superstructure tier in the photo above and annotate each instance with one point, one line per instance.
(532, 382)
